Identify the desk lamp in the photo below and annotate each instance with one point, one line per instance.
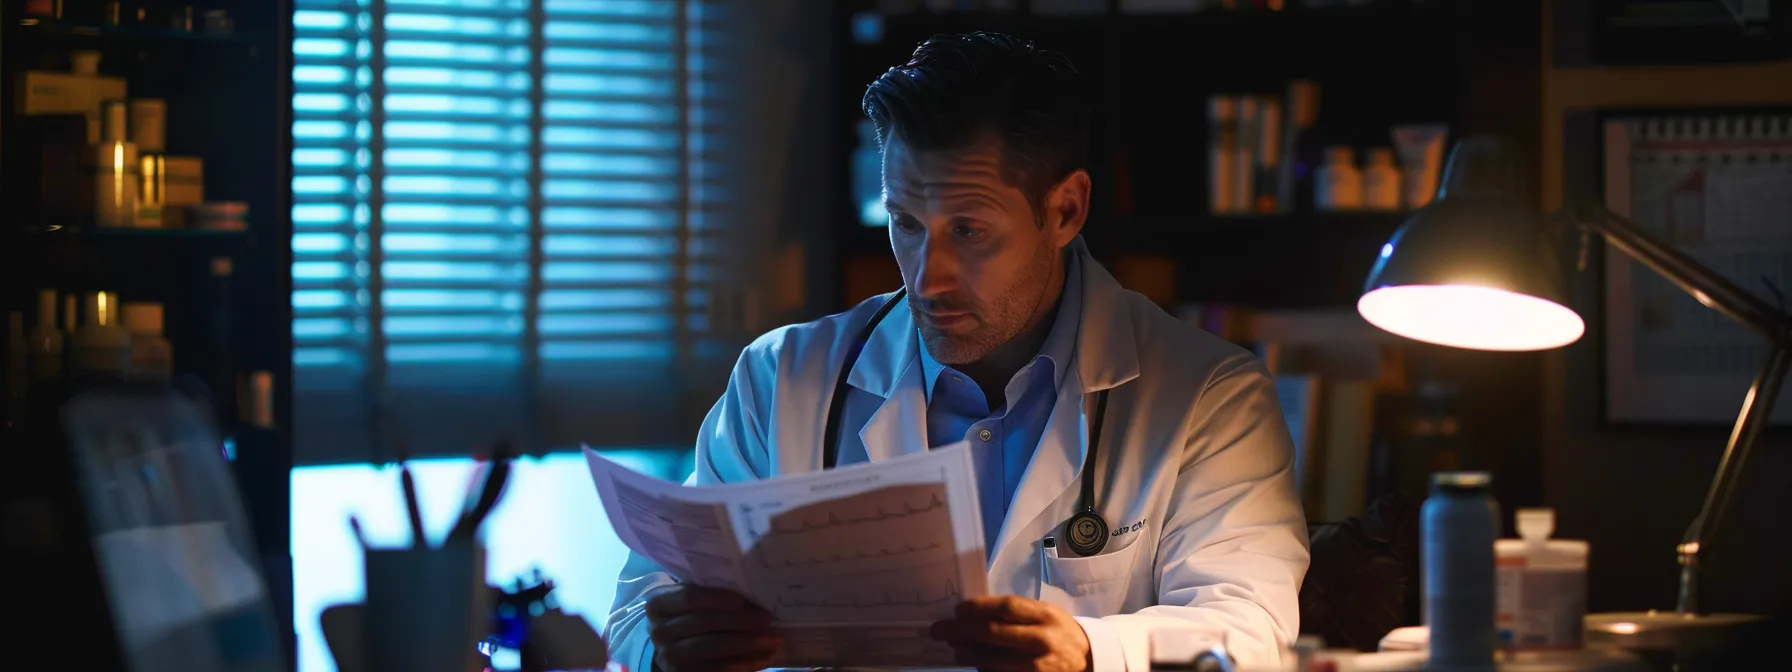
(1476, 269)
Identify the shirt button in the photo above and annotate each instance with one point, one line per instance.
(983, 434)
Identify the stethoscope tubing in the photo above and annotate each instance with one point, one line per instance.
(1086, 532)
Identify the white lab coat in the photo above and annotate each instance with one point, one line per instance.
(1196, 473)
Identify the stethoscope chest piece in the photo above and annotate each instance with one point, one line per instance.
(1086, 533)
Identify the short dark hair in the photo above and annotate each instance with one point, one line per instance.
(957, 90)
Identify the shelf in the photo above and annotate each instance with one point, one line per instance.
(52, 30)
(213, 242)
(153, 260)
(1389, 13)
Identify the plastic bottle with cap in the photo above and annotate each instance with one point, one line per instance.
(1338, 184)
(102, 348)
(1381, 180)
(115, 180)
(1542, 586)
(1459, 523)
(152, 358)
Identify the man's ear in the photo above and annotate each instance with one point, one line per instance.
(1069, 201)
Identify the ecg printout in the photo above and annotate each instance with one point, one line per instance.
(854, 563)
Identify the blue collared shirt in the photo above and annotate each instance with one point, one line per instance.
(1002, 441)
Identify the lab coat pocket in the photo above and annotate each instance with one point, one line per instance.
(1091, 586)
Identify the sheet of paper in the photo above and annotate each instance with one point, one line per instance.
(855, 563)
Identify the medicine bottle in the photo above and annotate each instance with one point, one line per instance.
(1542, 586)
(1338, 185)
(1458, 525)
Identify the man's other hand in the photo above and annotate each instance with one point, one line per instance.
(695, 628)
(1009, 633)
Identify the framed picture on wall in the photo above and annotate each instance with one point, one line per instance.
(1669, 32)
(1717, 187)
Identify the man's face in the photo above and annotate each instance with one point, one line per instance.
(978, 263)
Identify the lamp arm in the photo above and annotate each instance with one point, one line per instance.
(1724, 296)
(1705, 285)
(1757, 408)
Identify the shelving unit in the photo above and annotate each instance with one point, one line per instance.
(1461, 62)
(226, 293)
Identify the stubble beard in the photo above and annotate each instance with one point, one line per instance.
(996, 323)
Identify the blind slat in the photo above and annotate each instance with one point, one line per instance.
(454, 195)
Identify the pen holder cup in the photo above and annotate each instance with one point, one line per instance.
(426, 608)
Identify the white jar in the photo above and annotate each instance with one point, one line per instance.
(1541, 586)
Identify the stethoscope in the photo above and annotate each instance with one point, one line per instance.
(1085, 534)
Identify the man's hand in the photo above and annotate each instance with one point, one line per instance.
(1004, 632)
(695, 628)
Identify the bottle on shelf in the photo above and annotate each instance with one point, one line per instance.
(115, 181)
(44, 345)
(1250, 133)
(1300, 151)
(1339, 185)
(1381, 181)
(101, 348)
(148, 131)
(152, 358)
(1222, 154)
(149, 125)
(255, 406)
(1269, 157)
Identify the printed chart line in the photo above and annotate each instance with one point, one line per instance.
(907, 549)
(888, 600)
(936, 503)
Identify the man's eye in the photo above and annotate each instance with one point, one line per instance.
(967, 232)
(905, 222)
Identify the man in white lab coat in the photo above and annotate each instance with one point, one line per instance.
(1009, 336)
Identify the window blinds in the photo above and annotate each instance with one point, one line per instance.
(500, 210)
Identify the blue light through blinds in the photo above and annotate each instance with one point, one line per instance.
(498, 215)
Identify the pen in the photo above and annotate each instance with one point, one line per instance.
(411, 508)
(492, 487)
(1045, 549)
(401, 452)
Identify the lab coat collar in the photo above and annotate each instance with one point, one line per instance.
(1107, 352)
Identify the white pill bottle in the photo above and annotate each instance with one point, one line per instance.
(1541, 589)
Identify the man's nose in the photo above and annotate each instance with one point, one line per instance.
(938, 273)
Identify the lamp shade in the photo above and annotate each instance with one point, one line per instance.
(1475, 268)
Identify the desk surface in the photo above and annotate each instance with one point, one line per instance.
(1586, 660)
